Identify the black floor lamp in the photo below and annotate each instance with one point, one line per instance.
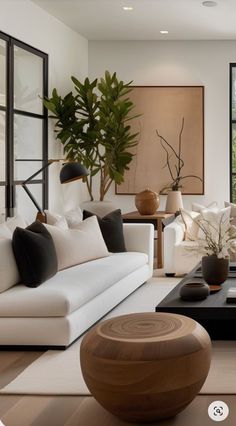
(70, 171)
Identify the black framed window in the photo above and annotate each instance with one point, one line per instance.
(23, 126)
(233, 132)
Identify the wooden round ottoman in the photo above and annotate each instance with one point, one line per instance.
(145, 367)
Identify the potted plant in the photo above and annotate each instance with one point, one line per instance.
(93, 126)
(215, 240)
(175, 165)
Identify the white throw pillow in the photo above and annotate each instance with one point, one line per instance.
(13, 222)
(232, 212)
(198, 207)
(56, 219)
(9, 274)
(74, 217)
(5, 231)
(191, 227)
(214, 217)
(75, 246)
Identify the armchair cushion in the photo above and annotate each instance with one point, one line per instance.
(191, 227)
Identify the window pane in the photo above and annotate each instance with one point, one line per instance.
(234, 93)
(2, 146)
(24, 205)
(234, 148)
(2, 204)
(28, 136)
(28, 81)
(2, 72)
(233, 189)
(24, 169)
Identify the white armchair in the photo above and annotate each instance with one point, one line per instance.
(178, 258)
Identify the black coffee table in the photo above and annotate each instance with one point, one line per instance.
(213, 313)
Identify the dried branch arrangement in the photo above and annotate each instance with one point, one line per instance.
(217, 237)
(174, 163)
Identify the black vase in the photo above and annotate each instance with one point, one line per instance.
(214, 270)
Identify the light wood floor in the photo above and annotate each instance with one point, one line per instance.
(20, 410)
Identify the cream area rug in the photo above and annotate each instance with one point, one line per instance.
(59, 372)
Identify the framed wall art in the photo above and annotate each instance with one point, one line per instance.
(166, 109)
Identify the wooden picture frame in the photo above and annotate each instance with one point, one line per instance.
(162, 108)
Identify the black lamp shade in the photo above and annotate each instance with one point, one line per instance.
(72, 171)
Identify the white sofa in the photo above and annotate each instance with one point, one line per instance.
(62, 308)
(178, 259)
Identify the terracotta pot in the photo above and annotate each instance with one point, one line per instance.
(214, 270)
(174, 202)
(147, 202)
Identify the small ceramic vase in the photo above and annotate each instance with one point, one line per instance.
(147, 202)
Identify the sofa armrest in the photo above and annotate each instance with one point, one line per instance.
(173, 235)
(140, 237)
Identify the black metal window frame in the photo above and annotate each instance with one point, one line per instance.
(9, 110)
(231, 122)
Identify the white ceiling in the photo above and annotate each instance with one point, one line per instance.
(184, 19)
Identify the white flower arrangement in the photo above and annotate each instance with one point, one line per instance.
(217, 236)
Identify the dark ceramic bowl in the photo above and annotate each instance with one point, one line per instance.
(194, 291)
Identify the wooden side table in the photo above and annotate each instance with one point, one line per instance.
(157, 220)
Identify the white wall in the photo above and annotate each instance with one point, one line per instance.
(68, 55)
(179, 63)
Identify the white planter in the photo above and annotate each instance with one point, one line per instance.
(100, 208)
(174, 202)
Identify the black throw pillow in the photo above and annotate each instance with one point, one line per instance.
(35, 254)
(111, 227)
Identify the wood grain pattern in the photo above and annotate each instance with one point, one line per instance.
(147, 366)
(85, 411)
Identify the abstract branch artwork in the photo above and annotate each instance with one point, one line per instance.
(170, 152)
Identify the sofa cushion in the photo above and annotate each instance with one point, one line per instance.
(13, 222)
(74, 217)
(35, 254)
(211, 219)
(186, 257)
(196, 207)
(71, 288)
(56, 219)
(111, 227)
(75, 246)
(9, 274)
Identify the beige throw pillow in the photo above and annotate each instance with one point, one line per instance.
(74, 217)
(191, 227)
(75, 246)
(5, 231)
(196, 207)
(214, 217)
(13, 222)
(56, 219)
(9, 274)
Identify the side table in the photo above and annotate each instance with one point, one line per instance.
(158, 219)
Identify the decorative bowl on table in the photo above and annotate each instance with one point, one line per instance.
(194, 289)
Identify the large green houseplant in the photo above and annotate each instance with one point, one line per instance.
(93, 126)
